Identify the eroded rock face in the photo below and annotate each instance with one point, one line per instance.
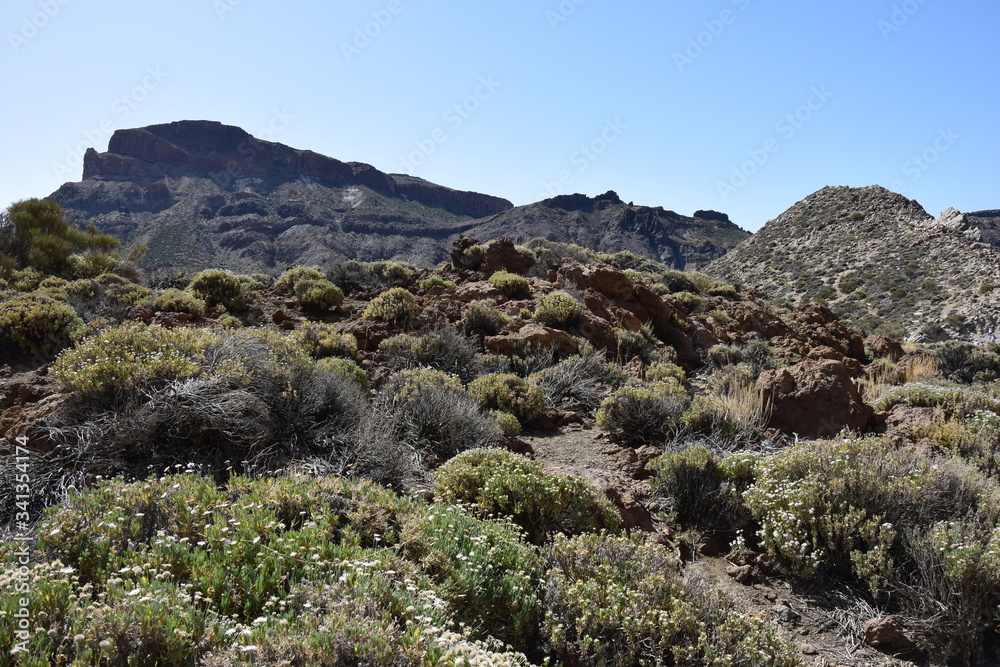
(815, 399)
(502, 255)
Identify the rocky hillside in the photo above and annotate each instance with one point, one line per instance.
(201, 194)
(607, 224)
(881, 261)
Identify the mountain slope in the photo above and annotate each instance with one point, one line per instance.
(879, 260)
(201, 194)
(607, 224)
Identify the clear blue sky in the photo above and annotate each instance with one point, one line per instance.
(742, 106)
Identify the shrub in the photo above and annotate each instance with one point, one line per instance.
(967, 363)
(633, 344)
(293, 276)
(507, 423)
(557, 309)
(444, 349)
(346, 368)
(395, 305)
(432, 282)
(317, 295)
(121, 290)
(509, 393)
(173, 300)
(218, 288)
(391, 272)
(677, 281)
(483, 317)
(130, 357)
(230, 321)
(953, 399)
(690, 301)
(578, 379)
(865, 508)
(614, 600)
(665, 371)
(702, 490)
(511, 285)
(406, 385)
(500, 483)
(734, 414)
(321, 340)
(638, 413)
(36, 325)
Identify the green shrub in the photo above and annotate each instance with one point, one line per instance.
(509, 393)
(121, 290)
(953, 399)
(391, 272)
(917, 531)
(431, 282)
(557, 309)
(633, 344)
(35, 324)
(665, 371)
(483, 317)
(230, 321)
(293, 276)
(508, 424)
(395, 305)
(690, 301)
(346, 368)
(617, 601)
(321, 340)
(406, 385)
(173, 300)
(317, 295)
(444, 349)
(583, 378)
(219, 288)
(637, 414)
(704, 491)
(500, 483)
(964, 362)
(131, 356)
(511, 285)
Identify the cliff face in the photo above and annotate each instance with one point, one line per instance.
(879, 260)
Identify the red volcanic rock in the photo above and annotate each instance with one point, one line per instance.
(503, 255)
(815, 399)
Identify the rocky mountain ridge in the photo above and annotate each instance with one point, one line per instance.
(201, 194)
(881, 261)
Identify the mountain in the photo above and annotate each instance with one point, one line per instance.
(202, 194)
(880, 261)
(607, 224)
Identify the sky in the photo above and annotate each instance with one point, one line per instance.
(740, 106)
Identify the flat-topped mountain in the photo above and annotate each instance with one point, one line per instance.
(878, 259)
(202, 194)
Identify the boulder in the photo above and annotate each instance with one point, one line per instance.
(816, 398)
(886, 631)
(888, 348)
(502, 254)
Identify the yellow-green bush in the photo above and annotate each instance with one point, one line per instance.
(122, 290)
(290, 278)
(618, 601)
(318, 295)
(500, 483)
(637, 413)
(36, 324)
(216, 288)
(394, 305)
(230, 321)
(511, 285)
(483, 317)
(509, 393)
(664, 371)
(407, 384)
(347, 368)
(557, 309)
(322, 340)
(703, 490)
(431, 282)
(131, 356)
(173, 300)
